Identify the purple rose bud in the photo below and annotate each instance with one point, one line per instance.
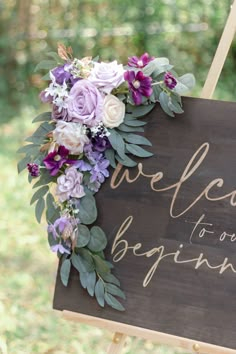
(170, 80)
(33, 169)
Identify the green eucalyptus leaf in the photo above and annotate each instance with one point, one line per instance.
(136, 139)
(138, 151)
(78, 263)
(87, 210)
(114, 290)
(55, 57)
(110, 278)
(83, 277)
(44, 178)
(83, 236)
(46, 116)
(52, 212)
(51, 240)
(39, 193)
(65, 271)
(125, 128)
(100, 292)
(91, 281)
(100, 264)
(46, 77)
(138, 111)
(110, 155)
(45, 65)
(154, 65)
(39, 135)
(117, 142)
(156, 91)
(29, 149)
(164, 102)
(127, 161)
(98, 240)
(175, 106)
(22, 164)
(39, 208)
(134, 123)
(184, 84)
(113, 302)
(87, 259)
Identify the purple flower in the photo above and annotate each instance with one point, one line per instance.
(140, 62)
(70, 185)
(99, 171)
(63, 228)
(139, 85)
(59, 248)
(170, 80)
(62, 73)
(56, 159)
(82, 165)
(33, 169)
(45, 98)
(59, 114)
(85, 104)
(107, 76)
(100, 143)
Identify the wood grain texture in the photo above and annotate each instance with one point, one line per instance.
(199, 304)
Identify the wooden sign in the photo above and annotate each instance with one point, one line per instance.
(171, 224)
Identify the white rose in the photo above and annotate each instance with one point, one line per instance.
(107, 76)
(71, 135)
(114, 111)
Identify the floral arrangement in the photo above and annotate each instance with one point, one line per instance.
(92, 125)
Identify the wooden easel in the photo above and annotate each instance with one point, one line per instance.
(122, 330)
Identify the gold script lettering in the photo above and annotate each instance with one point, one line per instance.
(119, 176)
(199, 261)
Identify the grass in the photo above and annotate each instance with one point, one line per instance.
(27, 272)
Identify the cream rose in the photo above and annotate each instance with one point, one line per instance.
(71, 135)
(114, 111)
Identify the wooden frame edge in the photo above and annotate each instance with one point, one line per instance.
(163, 338)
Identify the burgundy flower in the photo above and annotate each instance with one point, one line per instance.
(140, 62)
(139, 85)
(170, 81)
(56, 159)
(33, 169)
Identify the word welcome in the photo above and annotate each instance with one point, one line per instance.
(194, 163)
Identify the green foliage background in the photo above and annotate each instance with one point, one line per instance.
(187, 32)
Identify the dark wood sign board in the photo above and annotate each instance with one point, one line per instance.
(181, 279)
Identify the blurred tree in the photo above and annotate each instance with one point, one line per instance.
(186, 31)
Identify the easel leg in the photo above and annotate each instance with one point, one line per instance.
(117, 344)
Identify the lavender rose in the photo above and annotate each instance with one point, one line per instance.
(107, 76)
(71, 135)
(85, 104)
(69, 185)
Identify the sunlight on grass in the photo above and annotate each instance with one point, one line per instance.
(27, 271)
